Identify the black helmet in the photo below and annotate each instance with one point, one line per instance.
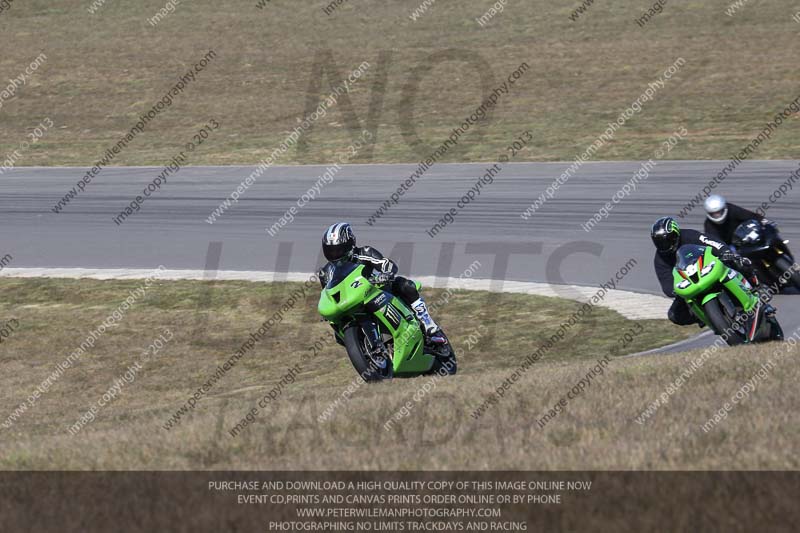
(666, 234)
(338, 241)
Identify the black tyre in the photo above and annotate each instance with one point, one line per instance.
(784, 265)
(775, 330)
(354, 343)
(446, 364)
(721, 323)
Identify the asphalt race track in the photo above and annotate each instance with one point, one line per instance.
(551, 246)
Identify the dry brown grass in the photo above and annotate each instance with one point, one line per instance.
(597, 431)
(210, 321)
(105, 69)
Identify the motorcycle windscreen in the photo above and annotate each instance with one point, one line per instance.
(688, 254)
(340, 272)
(748, 232)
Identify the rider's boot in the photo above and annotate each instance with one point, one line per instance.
(433, 333)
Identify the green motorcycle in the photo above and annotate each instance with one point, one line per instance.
(382, 336)
(722, 298)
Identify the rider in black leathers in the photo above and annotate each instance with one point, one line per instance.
(723, 217)
(339, 243)
(668, 237)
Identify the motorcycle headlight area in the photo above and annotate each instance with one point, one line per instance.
(684, 284)
(708, 268)
(751, 237)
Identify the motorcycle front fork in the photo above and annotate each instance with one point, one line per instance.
(373, 338)
(377, 349)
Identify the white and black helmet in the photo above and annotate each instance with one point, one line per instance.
(338, 241)
(716, 208)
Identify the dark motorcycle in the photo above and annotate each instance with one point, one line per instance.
(774, 263)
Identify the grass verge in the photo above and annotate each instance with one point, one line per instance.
(209, 321)
(105, 69)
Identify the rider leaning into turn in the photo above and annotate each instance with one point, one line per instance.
(724, 217)
(668, 237)
(339, 244)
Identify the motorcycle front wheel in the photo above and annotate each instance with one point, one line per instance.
(783, 265)
(356, 346)
(445, 362)
(721, 323)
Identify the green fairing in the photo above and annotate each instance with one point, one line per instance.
(354, 292)
(707, 287)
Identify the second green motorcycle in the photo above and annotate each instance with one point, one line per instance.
(722, 298)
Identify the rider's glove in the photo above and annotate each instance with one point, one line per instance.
(737, 262)
(771, 224)
(727, 257)
(381, 278)
(743, 265)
